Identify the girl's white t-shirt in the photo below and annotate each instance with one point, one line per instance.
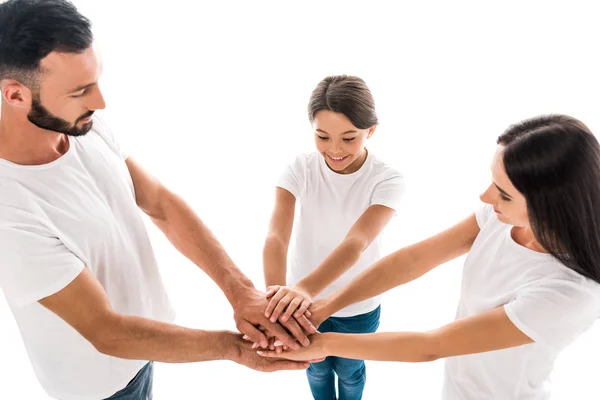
(329, 204)
(547, 301)
(56, 219)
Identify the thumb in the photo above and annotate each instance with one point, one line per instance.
(253, 334)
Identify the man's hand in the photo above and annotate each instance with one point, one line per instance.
(249, 307)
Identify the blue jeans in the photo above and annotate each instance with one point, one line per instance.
(351, 373)
(140, 387)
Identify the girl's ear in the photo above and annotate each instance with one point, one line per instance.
(371, 131)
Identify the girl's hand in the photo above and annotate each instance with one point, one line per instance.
(286, 302)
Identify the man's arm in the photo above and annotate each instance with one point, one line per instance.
(83, 305)
(186, 231)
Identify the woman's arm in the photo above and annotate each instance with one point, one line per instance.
(487, 331)
(401, 267)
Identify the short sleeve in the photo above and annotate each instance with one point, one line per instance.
(389, 192)
(293, 177)
(554, 313)
(33, 263)
(103, 129)
(484, 214)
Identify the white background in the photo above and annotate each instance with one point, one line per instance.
(211, 97)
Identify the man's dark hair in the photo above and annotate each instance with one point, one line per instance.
(32, 29)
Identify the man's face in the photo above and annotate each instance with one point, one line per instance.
(68, 93)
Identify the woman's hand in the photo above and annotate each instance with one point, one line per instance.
(315, 352)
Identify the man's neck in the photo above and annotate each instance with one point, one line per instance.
(23, 143)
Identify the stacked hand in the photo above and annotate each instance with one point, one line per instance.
(290, 308)
(252, 320)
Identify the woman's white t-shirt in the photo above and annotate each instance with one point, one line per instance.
(329, 204)
(547, 301)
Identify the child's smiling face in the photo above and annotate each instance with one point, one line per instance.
(340, 142)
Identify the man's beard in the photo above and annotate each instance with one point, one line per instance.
(42, 118)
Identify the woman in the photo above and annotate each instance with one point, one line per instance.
(530, 282)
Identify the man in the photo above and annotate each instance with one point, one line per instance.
(76, 265)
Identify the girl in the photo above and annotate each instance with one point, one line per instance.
(530, 282)
(347, 196)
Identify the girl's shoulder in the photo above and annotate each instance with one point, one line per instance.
(381, 170)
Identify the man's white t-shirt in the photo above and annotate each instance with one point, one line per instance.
(547, 301)
(76, 212)
(330, 203)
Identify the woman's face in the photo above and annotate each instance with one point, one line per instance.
(339, 141)
(510, 205)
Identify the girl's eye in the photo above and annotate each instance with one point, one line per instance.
(322, 137)
(349, 139)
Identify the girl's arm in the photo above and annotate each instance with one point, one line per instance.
(486, 331)
(278, 238)
(296, 300)
(276, 249)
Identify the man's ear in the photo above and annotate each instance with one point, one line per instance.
(15, 94)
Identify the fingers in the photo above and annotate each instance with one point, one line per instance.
(283, 303)
(308, 314)
(306, 324)
(297, 301)
(271, 290)
(289, 365)
(281, 334)
(297, 331)
(268, 353)
(274, 301)
(303, 309)
(253, 334)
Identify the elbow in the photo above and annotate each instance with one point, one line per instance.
(429, 357)
(274, 241)
(431, 348)
(356, 244)
(105, 339)
(104, 346)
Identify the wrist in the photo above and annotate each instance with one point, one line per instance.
(239, 291)
(324, 342)
(307, 288)
(232, 349)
